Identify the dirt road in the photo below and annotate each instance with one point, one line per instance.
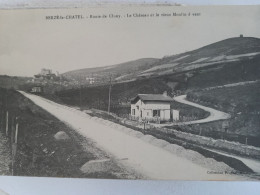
(215, 115)
(151, 161)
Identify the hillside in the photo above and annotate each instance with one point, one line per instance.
(221, 53)
(241, 100)
(117, 72)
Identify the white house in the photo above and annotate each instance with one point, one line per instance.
(91, 80)
(45, 71)
(151, 107)
(37, 89)
(175, 115)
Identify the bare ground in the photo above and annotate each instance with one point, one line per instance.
(5, 156)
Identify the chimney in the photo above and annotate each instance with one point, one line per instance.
(165, 94)
(241, 36)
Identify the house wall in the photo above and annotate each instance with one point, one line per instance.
(145, 110)
(36, 90)
(176, 115)
(45, 71)
(137, 110)
(165, 115)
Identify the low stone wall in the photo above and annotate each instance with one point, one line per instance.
(229, 146)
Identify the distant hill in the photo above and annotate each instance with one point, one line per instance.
(223, 52)
(123, 71)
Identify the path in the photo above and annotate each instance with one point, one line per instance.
(232, 85)
(215, 115)
(149, 160)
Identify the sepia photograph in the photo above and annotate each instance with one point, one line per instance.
(131, 92)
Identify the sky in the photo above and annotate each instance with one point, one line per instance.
(29, 42)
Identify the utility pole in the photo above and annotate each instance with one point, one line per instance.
(80, 97)
(6, 124)
(109, 95)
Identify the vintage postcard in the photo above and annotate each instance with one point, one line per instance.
(131, 92)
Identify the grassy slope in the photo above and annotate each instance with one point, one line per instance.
(231, 46)
(247, 69)
(228, 47)
(241, 101)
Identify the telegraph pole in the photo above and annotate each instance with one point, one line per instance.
(80, 97)
(109, 95)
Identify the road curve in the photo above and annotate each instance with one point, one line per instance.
(215, 115)
(149, 160)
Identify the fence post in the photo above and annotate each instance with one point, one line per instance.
(6, 125)
(14, 149)
(12, 129)
(1, 120)
(16, 131)
(15, 126)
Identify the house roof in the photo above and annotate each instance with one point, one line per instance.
(152, 97)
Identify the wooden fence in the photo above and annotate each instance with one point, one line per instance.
(9, 127)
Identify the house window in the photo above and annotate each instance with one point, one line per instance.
(156, 113)
(133, 111)
(137, 107)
